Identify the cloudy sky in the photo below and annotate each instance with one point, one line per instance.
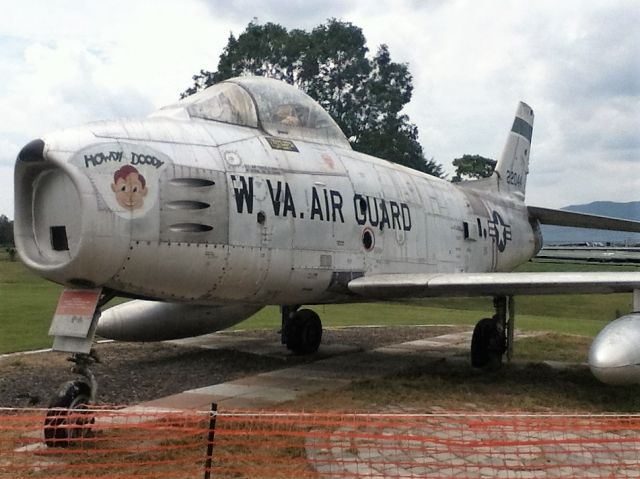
(576, 62)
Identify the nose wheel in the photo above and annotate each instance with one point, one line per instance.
(301, 330)
(67, 418)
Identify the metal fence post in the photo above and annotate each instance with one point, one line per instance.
(212, 431)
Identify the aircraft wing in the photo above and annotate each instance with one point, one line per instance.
(549, 216)
(407, 285)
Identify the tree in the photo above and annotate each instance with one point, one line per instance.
(6, 231)
(473, 167)
(365, 96)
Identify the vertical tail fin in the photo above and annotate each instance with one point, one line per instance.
(513, 166)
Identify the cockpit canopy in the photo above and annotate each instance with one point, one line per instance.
(280, 109)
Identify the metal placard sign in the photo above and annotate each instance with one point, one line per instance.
(74, 314)
(281, 144)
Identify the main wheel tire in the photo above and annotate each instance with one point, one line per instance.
(63, 423)
(305, 333)
(487, 345)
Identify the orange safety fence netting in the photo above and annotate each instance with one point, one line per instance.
(110, 443)
(105, 443)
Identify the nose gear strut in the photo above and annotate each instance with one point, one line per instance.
(65, 420)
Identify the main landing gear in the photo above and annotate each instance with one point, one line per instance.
(493, 337)
(301, 329)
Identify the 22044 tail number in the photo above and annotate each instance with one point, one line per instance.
(514, 178)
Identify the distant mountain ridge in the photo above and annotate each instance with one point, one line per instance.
(630, 211)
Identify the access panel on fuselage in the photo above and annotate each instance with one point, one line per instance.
(402, 217)
(389, 215)
(444, 232)
(305, 196)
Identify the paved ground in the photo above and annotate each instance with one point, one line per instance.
(432, 447)
(438, 446)
(464, 447)
(337, 365)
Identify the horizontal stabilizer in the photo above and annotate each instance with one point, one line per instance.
(406, 285)
(581, 220)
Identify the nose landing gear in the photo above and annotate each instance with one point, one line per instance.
(65, 420)
(73, 326)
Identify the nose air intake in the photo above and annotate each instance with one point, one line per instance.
(48, 209)
(60, 230)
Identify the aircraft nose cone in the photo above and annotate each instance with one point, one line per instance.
(614, 357)
(60, 230)
(48, 209)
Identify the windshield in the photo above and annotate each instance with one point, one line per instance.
(285, 111)
(278, 108)
(224, 102)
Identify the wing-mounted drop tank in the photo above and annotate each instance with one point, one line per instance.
(156, 321)
(614, 357)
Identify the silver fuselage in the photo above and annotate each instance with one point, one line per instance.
(230, 214)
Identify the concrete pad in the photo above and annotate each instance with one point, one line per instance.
(270, 394)
(453, 337)
(306, 373)
(242, 403)
(146, 412)
(261, 347)
(234, 342)
(185, 400)
(421, 344)
(334, 366)
(319, 370)
(299, 383)
(228, 389)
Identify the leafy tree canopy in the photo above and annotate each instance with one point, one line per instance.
(470, 167)
(6, 231)
(364, 95)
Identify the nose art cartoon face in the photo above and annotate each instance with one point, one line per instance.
(129, 187)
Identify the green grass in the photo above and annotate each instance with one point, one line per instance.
(449, 386)
(582, 314)
(27, 303)
(553, 346)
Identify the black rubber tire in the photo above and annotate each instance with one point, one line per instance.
(305, 333)
(58, 430)
(487, 345)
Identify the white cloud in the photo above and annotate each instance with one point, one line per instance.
(300, 14)
(60, 85)
(84, 61)
(576, 62)
(8, 149)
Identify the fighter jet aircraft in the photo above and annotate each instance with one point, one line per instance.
(248, 194)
